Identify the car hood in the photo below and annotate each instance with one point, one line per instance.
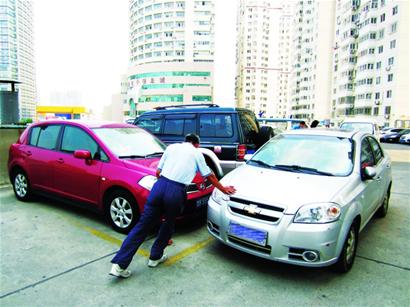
(149, 166)
(283, 189)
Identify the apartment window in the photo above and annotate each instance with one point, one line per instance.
(387, 110)
(378, 65)
(369, 81)
(393, 27)
(377, 95)
(373, 35)
(378, 79)
(395, 10)
(373, 20)
(382, 17)
(371, 50)
(376, 111)
(389, 94)
(380, 49)
(381, 34)
(391, 61)
(389, 77)
(393, 44)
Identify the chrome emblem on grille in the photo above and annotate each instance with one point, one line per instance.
(202, 186)
(252, 209)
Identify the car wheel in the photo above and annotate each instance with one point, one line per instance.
(21, 185)
(348, 254)
(122, 211)
(382, 211)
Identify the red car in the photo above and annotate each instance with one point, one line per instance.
(109, 167)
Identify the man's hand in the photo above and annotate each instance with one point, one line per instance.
(228, 190)
(158, 173)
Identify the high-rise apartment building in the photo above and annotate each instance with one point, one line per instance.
(257, 56)
(313, 35)
(171, 53)
(17, 53)
(371, 61)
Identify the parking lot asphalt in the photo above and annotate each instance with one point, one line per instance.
(53, 254)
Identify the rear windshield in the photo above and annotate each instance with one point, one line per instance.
(365, 127)
(250, 126)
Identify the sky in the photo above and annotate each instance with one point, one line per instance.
(81, 47)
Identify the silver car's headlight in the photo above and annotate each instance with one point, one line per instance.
(318, 213)
(219, 197)
(147, 182)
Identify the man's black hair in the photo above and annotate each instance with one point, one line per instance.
(192, 138)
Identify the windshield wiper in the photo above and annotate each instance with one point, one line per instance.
(259, 162)
(301, 169)
(159, 153)
(131, 157)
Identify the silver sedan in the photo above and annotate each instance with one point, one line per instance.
(304, 197)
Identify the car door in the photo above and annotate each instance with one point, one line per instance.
(40, 152)
(370, 192)
(382, 166)
(77, 178)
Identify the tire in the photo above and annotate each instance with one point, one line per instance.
(121, 211)
(21, 185)
(265, 134)
(348, 254)
(382, 211)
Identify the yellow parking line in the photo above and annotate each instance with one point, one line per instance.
(188, 251)
(172, 260)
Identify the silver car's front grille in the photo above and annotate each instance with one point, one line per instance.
(255, 210)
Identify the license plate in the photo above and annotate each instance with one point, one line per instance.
(202, 202)
(256, 236)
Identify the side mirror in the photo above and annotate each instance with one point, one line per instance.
(247, 157)
(369, 172)
(82, 154)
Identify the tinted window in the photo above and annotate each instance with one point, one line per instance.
(174, 126)
(250, 126)
(378, 154)
(35, 132)
(216, 125)
(151, 124)
(189, 126)
(48, 136)
(77, 139)
(366, 154)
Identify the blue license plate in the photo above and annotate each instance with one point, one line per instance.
(256, 236)
(202, 202)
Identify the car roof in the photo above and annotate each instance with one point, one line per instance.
(325, 132)
(182, 109)
(86, 123)
(359, 120)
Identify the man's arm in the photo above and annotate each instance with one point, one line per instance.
(215, 182)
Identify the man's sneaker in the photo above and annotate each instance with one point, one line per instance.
(154, 263)
(118, 272)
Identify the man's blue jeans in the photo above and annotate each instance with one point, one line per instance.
(166, 199)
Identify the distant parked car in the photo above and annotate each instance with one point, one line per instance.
(367, 125)
(394, 137)
(385, 131)
(108, 167)
(304, 197)
(405, 138)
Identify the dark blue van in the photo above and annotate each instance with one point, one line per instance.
(229, 132)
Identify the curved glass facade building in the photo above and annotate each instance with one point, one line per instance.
(171, 53)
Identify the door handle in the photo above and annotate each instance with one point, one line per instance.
(61, 160)
(378, 178)
(28, 153)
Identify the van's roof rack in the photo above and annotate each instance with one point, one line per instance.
(209, 105)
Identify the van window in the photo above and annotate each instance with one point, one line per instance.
(216, 125)
(153, 125)
(180, 124)
(174, 126)
(250, 127)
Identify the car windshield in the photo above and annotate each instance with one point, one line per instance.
(319, 155)
(365, 127)
(130, 142)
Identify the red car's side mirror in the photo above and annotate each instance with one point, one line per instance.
(82, 154)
